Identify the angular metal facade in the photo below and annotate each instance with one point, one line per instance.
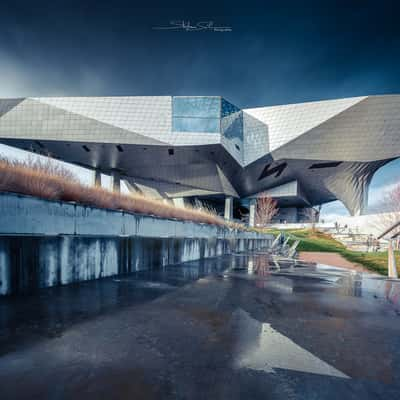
(195, 146)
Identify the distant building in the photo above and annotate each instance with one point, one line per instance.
(191, 148)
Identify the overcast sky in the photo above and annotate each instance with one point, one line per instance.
(277, 52)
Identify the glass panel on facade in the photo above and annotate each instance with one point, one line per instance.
(196, 114)
(205, 107)
(183, 124)
(232, 126)
(228, 108)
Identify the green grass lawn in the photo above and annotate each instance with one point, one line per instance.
(321, 242)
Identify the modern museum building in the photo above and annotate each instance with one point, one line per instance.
(205, 149)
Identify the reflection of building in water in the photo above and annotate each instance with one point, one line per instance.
(352, 284)
(250, 265)
(260, 347)
(363, 285)
(262, 266)
(357, 285)
(392, 293)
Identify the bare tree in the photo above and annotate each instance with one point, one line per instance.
(266, 209)
(391, 203)
(388, 213)
(392, 199)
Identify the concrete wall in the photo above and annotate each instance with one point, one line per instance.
(46, 243)
(31, 262)
(25, 215)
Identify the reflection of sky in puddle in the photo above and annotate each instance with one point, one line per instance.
(260, 347)
(288, 278)
(383, 289)
(313, 276)
(365, 284)
(146, 285)
(279, 284)
(265, 275)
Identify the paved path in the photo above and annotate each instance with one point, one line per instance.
(228, 328)
(334, 259)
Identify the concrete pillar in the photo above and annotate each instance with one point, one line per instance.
(97, 178)
(116, 181)
(179, 202)
(131, 187)
(228, 214)
(252, 212)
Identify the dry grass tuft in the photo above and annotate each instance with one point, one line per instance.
(48, 180)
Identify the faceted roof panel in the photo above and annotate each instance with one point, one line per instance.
(367, 131)
(31, 119)
(7, 105)
(146, 115)
(286, 122)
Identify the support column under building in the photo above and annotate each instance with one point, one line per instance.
(116, 181)
(362, 205)
(228, 213)
(350, 185)
(179, 202)
(97, 178)
(252, 212)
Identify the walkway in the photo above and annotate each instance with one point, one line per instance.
(227, 328)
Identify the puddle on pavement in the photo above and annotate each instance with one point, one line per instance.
(53, 310)
(302, 277)
(146, 284)
(262, 348)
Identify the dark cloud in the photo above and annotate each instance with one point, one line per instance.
(278, 52)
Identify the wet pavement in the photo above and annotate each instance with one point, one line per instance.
(234, 327)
